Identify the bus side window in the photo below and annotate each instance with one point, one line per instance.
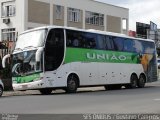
(100, 42)
(68, 38)
(137, 46)
(109, 45)
(118, 43)
(90, 40)
(128, 45)
(74, 38)
(148, 47)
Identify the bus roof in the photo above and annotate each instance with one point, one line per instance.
(88, 30)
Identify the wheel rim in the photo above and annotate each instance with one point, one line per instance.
(141, 82)
(72, 84)
(133, 81)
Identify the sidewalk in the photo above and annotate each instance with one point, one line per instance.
(36, 92)
(87, 89)
(20, 93)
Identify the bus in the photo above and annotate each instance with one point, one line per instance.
(54, 57)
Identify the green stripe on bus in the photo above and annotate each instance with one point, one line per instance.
(26, 79)
(90, 55)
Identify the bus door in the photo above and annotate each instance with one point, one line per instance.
(54, 49)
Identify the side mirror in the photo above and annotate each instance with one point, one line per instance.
(38, 54)
(4, 60)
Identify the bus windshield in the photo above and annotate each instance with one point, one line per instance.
(33, 38)
(24, 63)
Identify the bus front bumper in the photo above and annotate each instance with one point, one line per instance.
(29, 86)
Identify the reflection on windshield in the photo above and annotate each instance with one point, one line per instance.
(31, 39)
(24, 63)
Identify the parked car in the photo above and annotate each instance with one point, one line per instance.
(1, 87)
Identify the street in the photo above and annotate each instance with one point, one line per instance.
(87, 100)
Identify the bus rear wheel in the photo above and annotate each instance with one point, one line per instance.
(45, 91)
(141, 81)
(72, 84)
(133, 82)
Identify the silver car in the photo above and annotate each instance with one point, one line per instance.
(1, 87)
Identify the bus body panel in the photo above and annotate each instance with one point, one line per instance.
(93, 66)
(116, 74)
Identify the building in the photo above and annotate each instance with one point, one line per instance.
(20, 15)
(132, 33)
(141, 30)
(149, 31)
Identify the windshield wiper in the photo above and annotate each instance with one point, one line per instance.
(29, 47)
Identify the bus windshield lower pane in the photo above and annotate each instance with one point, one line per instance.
(24, 64)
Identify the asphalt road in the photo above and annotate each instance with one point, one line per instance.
(89, 100)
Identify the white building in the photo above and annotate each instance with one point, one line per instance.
(20, 15)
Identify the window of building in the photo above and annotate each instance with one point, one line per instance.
(59, 12)
(94, 18)
(9, 34)
(74, 15)
(124, 24)
(8, 9)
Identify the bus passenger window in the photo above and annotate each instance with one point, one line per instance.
(77, 42)
(73, 38)
(128, 45)
(90, 40)
(109, 45)
(137, 46)
(118, 43)
(101, 42)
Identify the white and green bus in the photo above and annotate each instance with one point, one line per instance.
(55, 57)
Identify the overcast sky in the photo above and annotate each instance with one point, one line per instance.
(139, 11)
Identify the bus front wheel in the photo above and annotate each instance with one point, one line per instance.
(45, 91)
(72, 84)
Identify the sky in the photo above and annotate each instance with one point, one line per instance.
(139, 11)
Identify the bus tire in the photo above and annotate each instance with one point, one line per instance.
(1, 91)
(141, 81)
(45, 91)
(72, 84)
(133, 82)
